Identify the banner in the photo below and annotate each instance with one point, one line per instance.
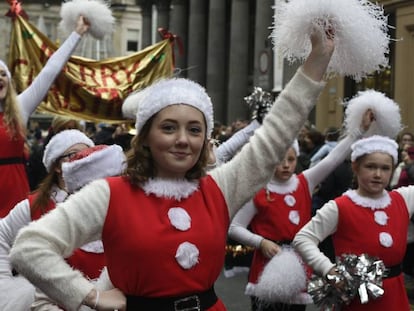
(86, 89)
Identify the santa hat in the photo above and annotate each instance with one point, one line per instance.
(6, 69)
(93, 163)
(165, 93)
(62, 142)
(373, 144)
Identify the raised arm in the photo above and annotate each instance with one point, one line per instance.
(253, 166)
(30, 98)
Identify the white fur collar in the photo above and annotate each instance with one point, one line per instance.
(177, 189)
(283, 187)
(371, 203)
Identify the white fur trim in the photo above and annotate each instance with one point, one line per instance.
(386, 111)
(179, 218)
(94, 247)
(386, 239)
(294, 217)
(5, 68)
(290, 200)
(283, 187)
(177, 189)
(381, 218)
(361, 37)
(61, 142)
(131, 102)
(380, 203)
(98, 14)
(173, 91)
(282, 279)
(373, 144)
(187, 255)
(110, 161)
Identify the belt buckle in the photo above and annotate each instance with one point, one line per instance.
(190, 303)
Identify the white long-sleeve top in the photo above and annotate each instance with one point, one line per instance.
(80, 219)
(314, 176)
(16, 293)
(31, 97)
(323, 224)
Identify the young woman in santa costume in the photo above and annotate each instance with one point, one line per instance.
(72, 160)
(278, 211)
(15, 111)
(164, 224)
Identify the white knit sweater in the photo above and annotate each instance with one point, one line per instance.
(80, 219)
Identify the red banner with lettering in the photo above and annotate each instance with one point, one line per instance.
(86, 89)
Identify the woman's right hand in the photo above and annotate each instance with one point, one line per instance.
(269, 248)
(82, 25)
(109, 300)
(323, 46)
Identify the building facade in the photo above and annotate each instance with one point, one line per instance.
(225, 46)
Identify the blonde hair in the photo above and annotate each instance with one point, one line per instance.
(12, 115)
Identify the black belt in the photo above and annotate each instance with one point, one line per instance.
(393, 271)
(16, 160)
(195, 302)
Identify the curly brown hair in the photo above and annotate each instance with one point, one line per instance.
(140, 164)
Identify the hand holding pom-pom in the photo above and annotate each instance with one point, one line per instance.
(260, 103)
(96, 16)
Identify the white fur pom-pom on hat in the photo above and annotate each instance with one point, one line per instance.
(360, 33)
(62, 141)
(386, 112)
(169, 92)
(131, 102)
(97, 12)
(102, 162)
(283, 279)
(375, 143)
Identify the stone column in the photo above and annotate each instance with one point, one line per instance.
(146, 7)
(179, 27)
(197, 41)
(263, 53)
(238, 61)
(163, 16)
(217, 58)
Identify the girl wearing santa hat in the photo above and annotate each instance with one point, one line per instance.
(15, 111)
(72, 160)
(275, 215)
(164, 224)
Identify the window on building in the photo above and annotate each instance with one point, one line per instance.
(132, 44)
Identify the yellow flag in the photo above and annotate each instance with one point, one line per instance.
(85, 89)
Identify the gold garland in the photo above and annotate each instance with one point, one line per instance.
(238, 250)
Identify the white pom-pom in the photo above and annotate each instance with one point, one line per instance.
(187, 255)
(381, 218)
(386, 239)
(179, 218)
(360, 27)
(386, 111)
(96, 12)
(283, 279)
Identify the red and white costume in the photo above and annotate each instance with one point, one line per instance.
(15, 187)
(193, 240)
(280, 210)
(359, 225)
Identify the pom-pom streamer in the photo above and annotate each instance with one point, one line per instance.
(361, 275)
(360, 33)
(96, 12)
(386, 112)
